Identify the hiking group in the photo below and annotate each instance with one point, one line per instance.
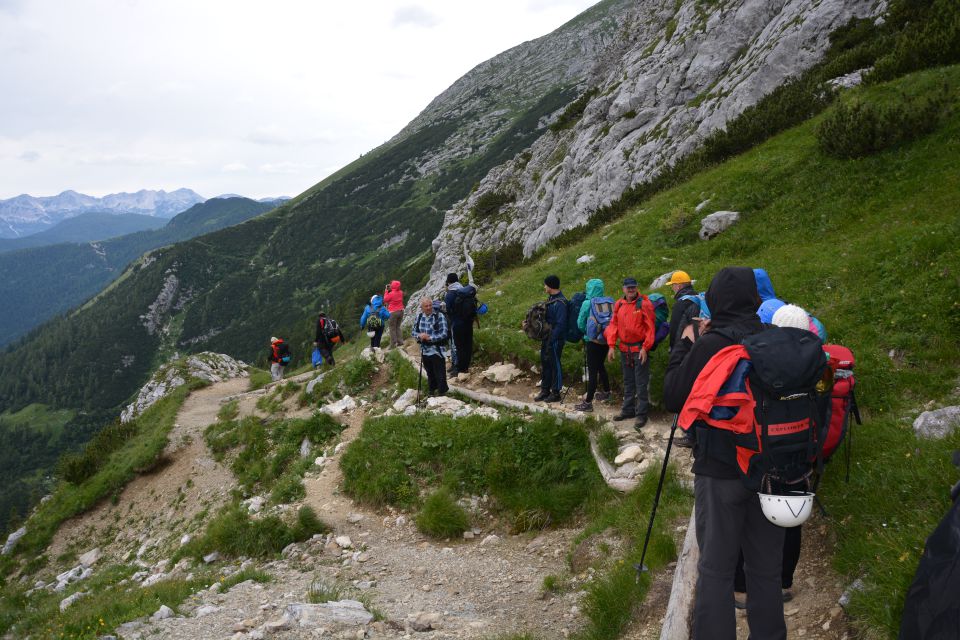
(760, 397)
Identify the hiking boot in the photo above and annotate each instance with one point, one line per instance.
(639, 423)
(553, 397)
(684, 441)
(623, 416)
(601, 396)
(740, 600)
(787, 595)
(584, 406)
(540, 397)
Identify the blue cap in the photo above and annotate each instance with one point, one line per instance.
(629, 282)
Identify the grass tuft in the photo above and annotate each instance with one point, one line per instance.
(441, 516)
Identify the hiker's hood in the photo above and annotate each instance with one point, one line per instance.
(594, 288)
(395, 285)
(376, 302)
(732, 296)
(764, 286)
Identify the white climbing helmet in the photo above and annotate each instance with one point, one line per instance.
(790, 509)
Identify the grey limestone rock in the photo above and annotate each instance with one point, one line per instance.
(658, 97)
(716, 223)
(937, 424)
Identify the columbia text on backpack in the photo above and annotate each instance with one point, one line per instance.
(765, 392)
(601, 312)
(535, 325)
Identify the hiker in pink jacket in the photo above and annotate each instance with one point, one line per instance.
(393, 300)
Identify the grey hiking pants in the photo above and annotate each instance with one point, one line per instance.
(396, 338)
(636, 384)
(728, 519)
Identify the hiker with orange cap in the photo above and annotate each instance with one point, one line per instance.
(686, 308)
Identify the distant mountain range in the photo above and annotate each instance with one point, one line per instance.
(38, 283)
(26, 215)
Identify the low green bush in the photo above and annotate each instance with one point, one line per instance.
(574, 111)
(490, 203)
(234, 533)
(77, 467)
(259, 378)
(441, 516)
(540, 471)
(856, 129)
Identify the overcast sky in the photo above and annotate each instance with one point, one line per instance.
(229, 96)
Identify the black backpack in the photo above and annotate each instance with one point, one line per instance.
(283, 353)
(786, 367)
(465, 303)
(574, 334)
(331, 329)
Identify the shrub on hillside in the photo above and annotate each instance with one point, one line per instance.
(441, 516)
(574, 111)
(489, 204)
(858, 129)
(234, 533)
(77, 467)
(930, 37)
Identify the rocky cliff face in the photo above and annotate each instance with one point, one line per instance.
(682, 72)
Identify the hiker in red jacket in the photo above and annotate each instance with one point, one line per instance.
(633, 327)
(393, 299)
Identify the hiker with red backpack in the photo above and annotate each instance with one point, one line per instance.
(279, 358)
(750, 397)
(633, 328)
(593, 318)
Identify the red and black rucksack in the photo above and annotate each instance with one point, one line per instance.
(765, 391)
(835, 426)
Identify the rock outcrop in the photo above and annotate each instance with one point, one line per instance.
(681, 73)
(211, 367)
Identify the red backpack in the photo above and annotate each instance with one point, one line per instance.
(764, 391)
(843, 402)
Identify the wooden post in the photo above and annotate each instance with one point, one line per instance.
(676, 622)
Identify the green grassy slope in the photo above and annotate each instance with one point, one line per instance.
(867, 245)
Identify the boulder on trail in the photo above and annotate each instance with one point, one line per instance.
(343, 612)
(340, 407)
(408, 398)
(502, 372)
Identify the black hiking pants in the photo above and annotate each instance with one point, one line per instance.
(551, 379)
(729, 519)
(377, 336)
(436, 368)
(791, 558)
(463, 343)
(596, 368)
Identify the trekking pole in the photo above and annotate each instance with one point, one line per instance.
(419, 381)
(656, 500)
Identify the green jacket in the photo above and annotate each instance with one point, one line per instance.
(593, 290)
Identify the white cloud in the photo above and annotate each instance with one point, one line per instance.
(114, 95)
(416, 16)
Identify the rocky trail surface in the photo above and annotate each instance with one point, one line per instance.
(387, 579)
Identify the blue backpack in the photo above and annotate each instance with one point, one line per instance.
(574, 335)
(701, 301)
(601, 312)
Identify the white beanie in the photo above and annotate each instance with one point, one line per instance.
(790, 315)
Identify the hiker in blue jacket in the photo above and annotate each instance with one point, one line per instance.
(374, 319)
(551, 381)
(596, 350)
